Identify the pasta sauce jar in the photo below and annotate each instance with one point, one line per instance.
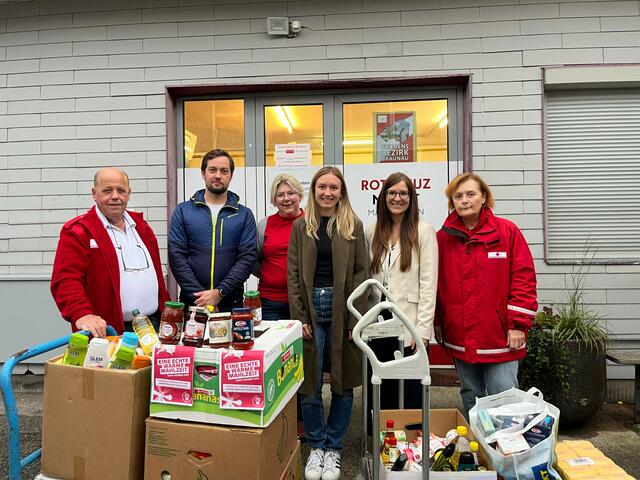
(194, 327)
(252, 301)
(171, 323)
(242, 328)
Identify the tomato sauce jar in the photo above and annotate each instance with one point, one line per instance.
(252, 301)
(242, 328)
(171, 323)
(195, 326)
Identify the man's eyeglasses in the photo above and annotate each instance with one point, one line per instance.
(136, 262)
(403, 194)
(137, 258)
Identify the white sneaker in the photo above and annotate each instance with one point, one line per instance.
(313, 469)
(331, 468)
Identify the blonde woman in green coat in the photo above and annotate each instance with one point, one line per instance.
(327, 260)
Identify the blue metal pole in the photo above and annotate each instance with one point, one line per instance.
(13, 419)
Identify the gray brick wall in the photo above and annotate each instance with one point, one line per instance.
(82, 87)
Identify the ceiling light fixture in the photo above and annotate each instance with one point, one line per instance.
(284, 118)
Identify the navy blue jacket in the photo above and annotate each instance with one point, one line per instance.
(203, 256)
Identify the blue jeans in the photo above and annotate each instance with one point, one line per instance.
(482, 379)
(320, 434)
(272, 310)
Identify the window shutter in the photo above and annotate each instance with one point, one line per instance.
(592, 175)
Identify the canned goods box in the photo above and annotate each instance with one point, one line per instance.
(93, 422)
(440, 421)
(232, 387)
(186, 450)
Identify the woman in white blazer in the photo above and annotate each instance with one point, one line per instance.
(404, 258)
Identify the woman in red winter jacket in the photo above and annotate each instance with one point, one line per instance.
(486, 291)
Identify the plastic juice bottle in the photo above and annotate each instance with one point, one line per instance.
(97, 353)
(123, 358)
(143, 328)
(473, 446)
(76, 350)
(462, 445)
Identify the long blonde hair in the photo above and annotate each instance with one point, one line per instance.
(343, 221)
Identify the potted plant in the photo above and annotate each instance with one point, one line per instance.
(566, 351)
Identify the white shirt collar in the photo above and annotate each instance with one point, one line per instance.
(128, 219)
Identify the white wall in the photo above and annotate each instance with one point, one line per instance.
(82, 86)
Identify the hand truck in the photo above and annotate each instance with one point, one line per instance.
(16, 465)
(415, 366)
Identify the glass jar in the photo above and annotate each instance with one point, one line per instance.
(194, 327)
(252, 301)
(171, 323)
(242, 328)
(220, 330)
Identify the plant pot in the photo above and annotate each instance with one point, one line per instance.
(585, 386)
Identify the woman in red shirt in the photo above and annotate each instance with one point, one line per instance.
(273, 241)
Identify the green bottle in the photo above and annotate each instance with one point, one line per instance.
(76, 350)
(123, 358)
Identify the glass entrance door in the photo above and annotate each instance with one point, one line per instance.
(291, 137)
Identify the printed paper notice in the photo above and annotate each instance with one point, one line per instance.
(293, 154)
(172, 380)
(242, 380)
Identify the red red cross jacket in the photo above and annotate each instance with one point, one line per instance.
(86, 276)
(486, 286)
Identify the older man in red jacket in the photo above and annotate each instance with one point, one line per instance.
(107, 262)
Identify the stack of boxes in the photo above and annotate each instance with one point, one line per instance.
(236, 418)
(580, 460)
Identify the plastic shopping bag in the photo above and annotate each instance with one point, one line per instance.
(531, 411)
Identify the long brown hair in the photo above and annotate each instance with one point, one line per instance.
(384, 224)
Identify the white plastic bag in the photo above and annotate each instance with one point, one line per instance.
(534, 463)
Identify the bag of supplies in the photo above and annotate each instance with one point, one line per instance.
(518, 431)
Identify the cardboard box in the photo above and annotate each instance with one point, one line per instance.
(293, 470)
(580, 460)
(196, 451)
(93, 422)
(440, 421)
(280, 347)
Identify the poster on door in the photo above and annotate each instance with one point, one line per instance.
(429, 178)
(395, 140)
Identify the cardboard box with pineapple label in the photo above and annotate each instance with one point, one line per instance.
(237, 387)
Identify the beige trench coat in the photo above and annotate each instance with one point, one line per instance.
(350, 269)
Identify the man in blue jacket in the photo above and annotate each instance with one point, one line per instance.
(212, 239)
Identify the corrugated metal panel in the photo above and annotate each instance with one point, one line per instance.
(592, 174)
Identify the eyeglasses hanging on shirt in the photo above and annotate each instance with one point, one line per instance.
(133, 259)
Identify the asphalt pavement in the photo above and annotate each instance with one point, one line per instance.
(611, 430)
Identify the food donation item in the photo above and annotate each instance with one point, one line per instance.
(76, 350)
(97, 353)
(143, 328)
(242, 328)
(252, 301)
(194, 327)
(220, 330)
(171, 323)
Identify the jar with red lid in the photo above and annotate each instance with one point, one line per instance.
(252, 301)
(194, 327)
(242, 328)
(171, 323)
